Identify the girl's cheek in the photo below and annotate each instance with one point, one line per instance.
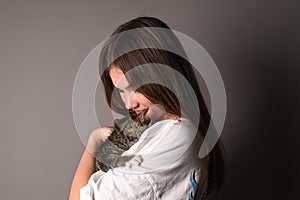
(123, 97)
(144, 100)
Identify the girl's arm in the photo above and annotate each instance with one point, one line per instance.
(84, 170)
(86, 165)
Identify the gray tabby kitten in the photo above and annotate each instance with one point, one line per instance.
(126, 132)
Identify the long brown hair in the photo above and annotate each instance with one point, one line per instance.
(152, 60)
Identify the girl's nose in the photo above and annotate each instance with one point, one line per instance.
(130, 101)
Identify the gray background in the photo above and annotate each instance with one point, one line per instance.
(254, 44)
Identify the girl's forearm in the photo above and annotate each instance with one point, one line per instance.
(84, 171)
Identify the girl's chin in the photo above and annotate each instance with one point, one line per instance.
(155, 113)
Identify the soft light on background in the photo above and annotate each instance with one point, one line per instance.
(255, 45)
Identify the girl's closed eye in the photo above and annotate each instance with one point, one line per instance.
(127, 89)
(120, 90)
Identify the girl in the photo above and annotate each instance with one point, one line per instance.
(143, 67)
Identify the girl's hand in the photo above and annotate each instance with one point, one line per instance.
(97, 137)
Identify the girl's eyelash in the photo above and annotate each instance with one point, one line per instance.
(129, 88)
(120, 91)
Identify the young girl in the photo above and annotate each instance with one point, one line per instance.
(141, 71)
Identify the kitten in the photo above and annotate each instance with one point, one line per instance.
(126, 132)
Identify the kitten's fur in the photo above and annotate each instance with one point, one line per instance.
(126, 132)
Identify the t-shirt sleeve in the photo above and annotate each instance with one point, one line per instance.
(163, 144)
(115, 185)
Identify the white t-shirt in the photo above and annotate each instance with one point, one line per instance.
(170, 169)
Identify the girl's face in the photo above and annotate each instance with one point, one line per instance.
(133, 100)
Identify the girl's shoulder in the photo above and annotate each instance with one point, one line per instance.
(163, 143)
(167, 127)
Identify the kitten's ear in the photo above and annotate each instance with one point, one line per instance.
(141, 119)
(118, 123)
(132, 114)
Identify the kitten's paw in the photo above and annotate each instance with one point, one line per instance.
(135, 161)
